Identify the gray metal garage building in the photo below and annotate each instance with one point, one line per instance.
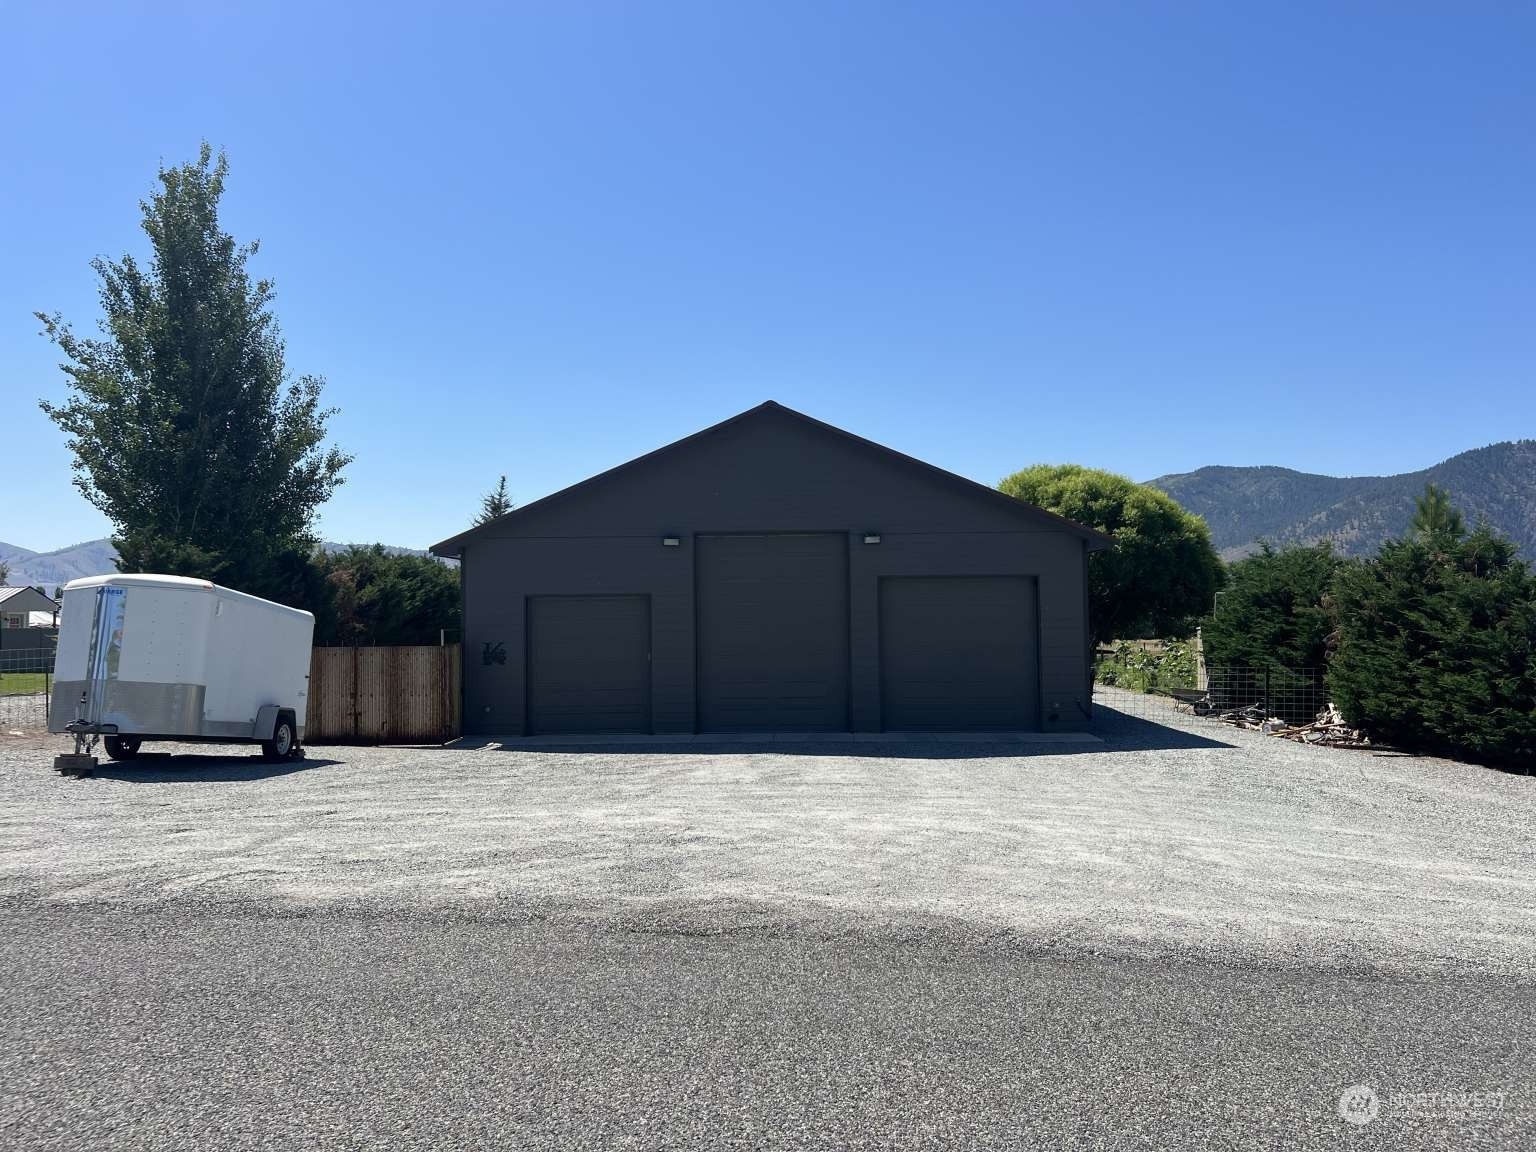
(770, 574)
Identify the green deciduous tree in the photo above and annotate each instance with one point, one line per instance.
(1437, 646)
(1273, 610)
(374, 597)
(494, 504)
(1161, 573)
(187, 430)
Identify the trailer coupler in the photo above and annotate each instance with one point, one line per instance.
(79, 728)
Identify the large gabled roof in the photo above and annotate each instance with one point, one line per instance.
(453, 546)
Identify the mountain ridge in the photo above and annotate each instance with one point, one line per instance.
(97, 558)
(89, 558)
(1246, 505)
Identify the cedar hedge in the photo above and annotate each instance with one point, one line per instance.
(1435, 640)
(1430, 645)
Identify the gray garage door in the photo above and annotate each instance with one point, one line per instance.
(959, 652)
(773, 633)
(589, 667)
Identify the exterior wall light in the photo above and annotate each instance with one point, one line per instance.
(871, 537)
(670, 541)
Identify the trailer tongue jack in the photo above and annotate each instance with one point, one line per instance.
(82, 761)
(74, 764)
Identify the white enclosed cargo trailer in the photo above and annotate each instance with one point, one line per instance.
(172, 658)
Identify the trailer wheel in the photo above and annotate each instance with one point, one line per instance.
(122, 747)
(283, 741)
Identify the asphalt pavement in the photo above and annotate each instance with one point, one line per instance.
(199, 1029)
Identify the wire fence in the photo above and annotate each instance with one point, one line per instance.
(26, 684)
(1292, 695)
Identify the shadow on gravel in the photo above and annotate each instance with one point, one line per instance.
(1117, 731)
(165, 769)
(1123, 733)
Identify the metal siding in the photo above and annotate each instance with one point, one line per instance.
(589, 664)
(507, 572)
(769, 476)
(959, 653)
(773, 633)
(1052, 560)
(774, 417)
(765, 477)
(1085, 636)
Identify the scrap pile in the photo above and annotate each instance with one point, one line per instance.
(1329, 728)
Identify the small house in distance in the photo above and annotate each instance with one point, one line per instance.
(26, 608)
(29, 630)
(773, 573)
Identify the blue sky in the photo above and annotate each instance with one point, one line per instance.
(542, 239)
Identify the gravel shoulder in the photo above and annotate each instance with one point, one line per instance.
(1197, 841)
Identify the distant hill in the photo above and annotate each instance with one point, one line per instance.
(1246, 505)
(96, 558)
(93, 558)
(392, 549)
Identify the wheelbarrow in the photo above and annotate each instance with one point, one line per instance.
(1197, 699)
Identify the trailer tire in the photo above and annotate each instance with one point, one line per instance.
(122, 747)
(284, 740)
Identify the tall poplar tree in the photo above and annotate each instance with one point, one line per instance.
(188, 431)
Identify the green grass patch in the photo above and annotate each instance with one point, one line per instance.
(23, 683)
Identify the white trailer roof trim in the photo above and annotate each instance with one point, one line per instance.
(180, 583)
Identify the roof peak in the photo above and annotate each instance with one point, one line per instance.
(1096, 539)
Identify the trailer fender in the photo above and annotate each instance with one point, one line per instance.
(266, 721)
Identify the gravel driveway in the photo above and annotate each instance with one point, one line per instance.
(1209, 842)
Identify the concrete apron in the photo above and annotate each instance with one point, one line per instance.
(685, 739)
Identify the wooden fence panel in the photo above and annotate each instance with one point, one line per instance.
(372, 694)
(332, 714)
(402, 695)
